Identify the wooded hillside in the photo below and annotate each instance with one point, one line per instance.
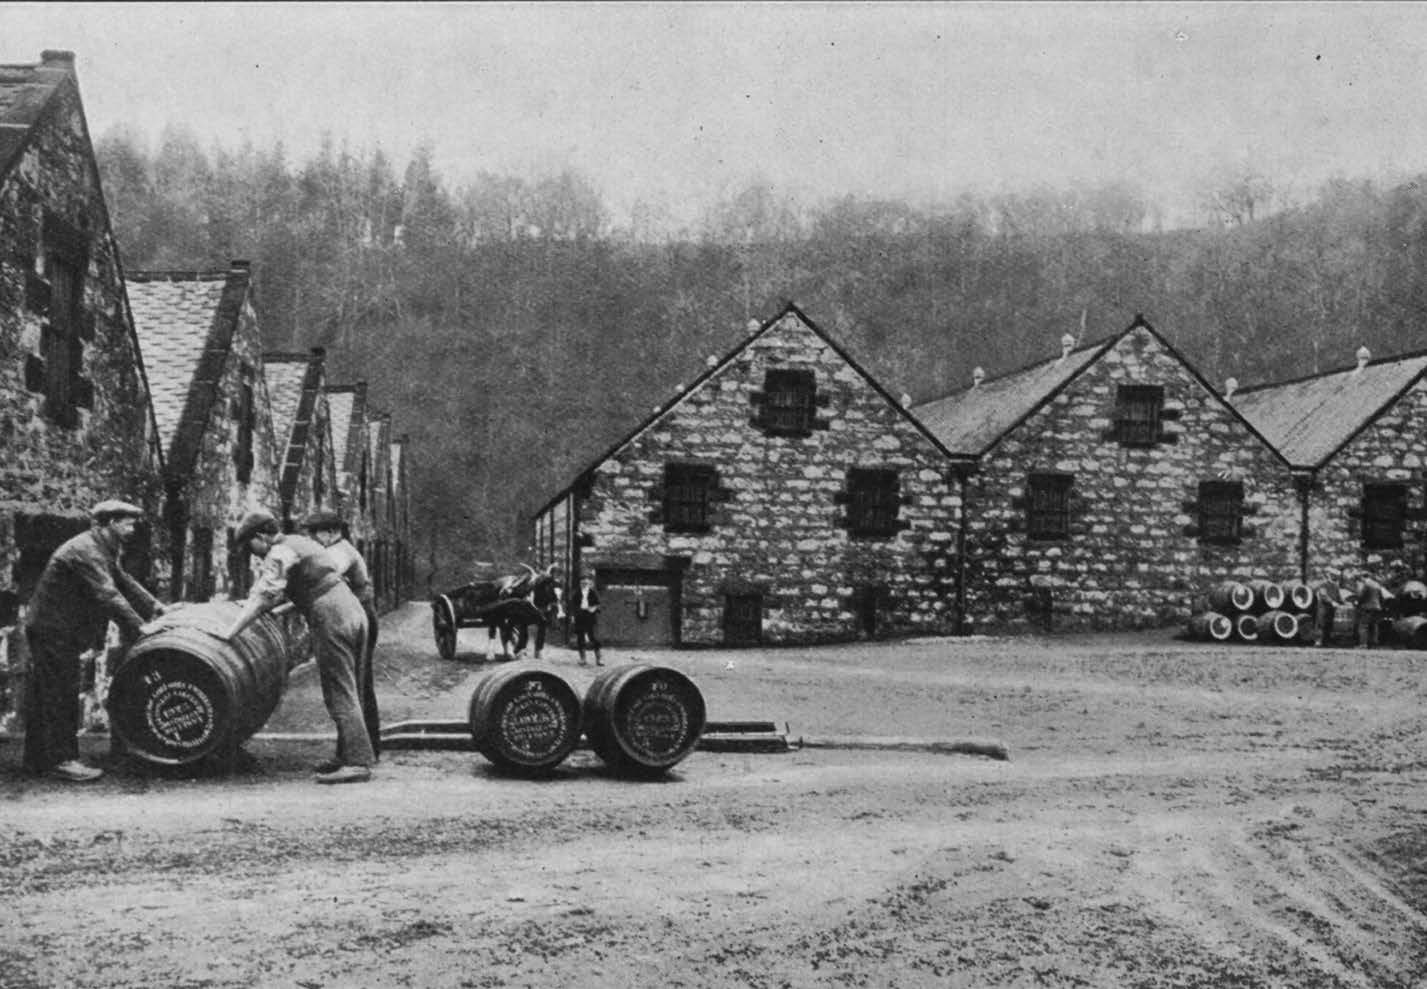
(515, 330)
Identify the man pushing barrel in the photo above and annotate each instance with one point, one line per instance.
(300, 570)
(82, 589)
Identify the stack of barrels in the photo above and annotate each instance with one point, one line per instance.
(1409, 628)
(1263, 611)
(640, 719)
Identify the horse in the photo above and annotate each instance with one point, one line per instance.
(542, 589)
(501, 605)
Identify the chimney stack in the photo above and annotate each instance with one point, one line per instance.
(1364, 355)
(1067, 344)
(1230, 384)
(978, 374)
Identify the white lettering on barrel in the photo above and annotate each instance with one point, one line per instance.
(180, 714)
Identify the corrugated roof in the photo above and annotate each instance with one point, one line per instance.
(1310, 419)
(25, 92)
(970, 421)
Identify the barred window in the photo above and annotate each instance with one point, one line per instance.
(873, 501)
(1221, 511)
(686, 497)
(1048, 506)
(1384, 515)
(1137, 414)
(789, 398)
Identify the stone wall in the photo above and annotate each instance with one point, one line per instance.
(216, 498)
(1391, 449)
(1133, 557)
(778, 525)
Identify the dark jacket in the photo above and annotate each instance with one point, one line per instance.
(83, 588)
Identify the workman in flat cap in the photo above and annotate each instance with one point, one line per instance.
(326, 527)
(298, 569)
(82, 588)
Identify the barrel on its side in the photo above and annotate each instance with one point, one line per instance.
(1246, 628)
(1268, 595)
(1230, 596)
(1411, 631)
(1210, 625)
(1344, 625)
(1297, 596)
(524, 720)
(643, 719)
(182, 694)
(1277, 627)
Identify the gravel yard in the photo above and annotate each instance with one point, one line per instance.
(1172, 814)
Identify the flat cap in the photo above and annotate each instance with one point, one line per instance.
(112, 508)
(320, 520)
(254, 523)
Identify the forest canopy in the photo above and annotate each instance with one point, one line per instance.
(515, 328)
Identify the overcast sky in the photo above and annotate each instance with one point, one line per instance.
(679, 103)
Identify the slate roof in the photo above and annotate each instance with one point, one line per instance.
(969, 422)
(293, 380)
(347, 406)
(25, 93)
(1310, 419)
(789, 309)
(185, 323)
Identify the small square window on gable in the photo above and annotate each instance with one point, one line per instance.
(788, 403)
(1221, 511)
(1139, 410)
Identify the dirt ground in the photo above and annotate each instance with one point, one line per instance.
(1172, 814)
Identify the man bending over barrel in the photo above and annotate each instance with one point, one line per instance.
(326, 528)
(299, 569)
(81, 590)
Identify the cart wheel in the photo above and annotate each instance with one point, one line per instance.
(443, 624)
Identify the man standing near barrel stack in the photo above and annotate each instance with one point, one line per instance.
(326, 528)
(82, 588)
(299, 569)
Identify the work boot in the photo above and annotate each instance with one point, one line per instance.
(327, 766)
(74, 771)
(346, 774)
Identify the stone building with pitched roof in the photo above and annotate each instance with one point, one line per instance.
(76, 425)
(302, 425)
(348, 407)
(1106, 487)
(202, 347)
(1357, 436)
(784, 496)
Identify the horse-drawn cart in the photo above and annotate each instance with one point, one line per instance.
(500, 605)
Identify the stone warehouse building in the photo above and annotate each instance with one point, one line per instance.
(1358, 439)
(1109, 485)
(307, 478)
(347, 405)
(784, 496)
(76, 425)
(203, 350)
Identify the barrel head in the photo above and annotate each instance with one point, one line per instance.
(524, 720)
(169, 708)
(643, 719)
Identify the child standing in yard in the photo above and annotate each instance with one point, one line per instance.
(586, 606)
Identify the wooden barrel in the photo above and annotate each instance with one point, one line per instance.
(1307, 629)
(1412, 598)
(1268, 595)
(1297, 596)
(1246, 627)
(643, 719)
(1345, 619)
(1229, 597)
(524, 720)
(1210, 625)
(182, 694)
(1411, 632)
(1277, 627)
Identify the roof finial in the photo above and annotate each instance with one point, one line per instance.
(978, 374)
(906, 400)
(1067, 344)
(1230, 384)
(1364, 355)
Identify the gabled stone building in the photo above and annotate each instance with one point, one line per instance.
(381, 550)
(1358, 438)
(348, 407)
(76, 425)
(203, 350)
(1107, 486)
(784, 496)
(307, 478)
